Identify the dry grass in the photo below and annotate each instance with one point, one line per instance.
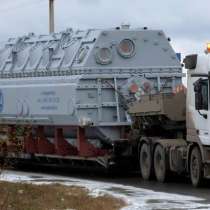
(16, 196)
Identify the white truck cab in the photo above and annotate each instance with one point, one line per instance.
(198, 107)
(198, 116)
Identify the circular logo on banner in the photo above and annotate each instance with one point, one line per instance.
(1, 101)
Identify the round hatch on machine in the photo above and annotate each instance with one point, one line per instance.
(126, 48)
(104, 55)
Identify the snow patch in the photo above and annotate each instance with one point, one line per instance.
(136, 198)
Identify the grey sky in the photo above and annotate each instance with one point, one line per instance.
(185, 21)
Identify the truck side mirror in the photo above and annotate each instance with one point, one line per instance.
(190, 61)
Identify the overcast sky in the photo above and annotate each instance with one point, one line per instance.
(187, 22)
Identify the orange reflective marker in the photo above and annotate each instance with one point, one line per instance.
(180, 88)
(208, 47)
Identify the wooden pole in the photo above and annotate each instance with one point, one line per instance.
(51, 17)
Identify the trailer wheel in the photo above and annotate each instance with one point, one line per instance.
(160, 163)
(145, 161)
(196, 172)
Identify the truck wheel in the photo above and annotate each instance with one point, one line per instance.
(145, 161)
(160, 163)
(196, 172)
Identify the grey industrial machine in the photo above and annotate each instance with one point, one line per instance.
(83, 79)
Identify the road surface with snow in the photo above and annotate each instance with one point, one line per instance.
(138, 197)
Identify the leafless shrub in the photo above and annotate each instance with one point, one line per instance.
(11, 141)
(11, 144)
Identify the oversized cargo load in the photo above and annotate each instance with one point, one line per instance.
(70, 77)
(81, 79)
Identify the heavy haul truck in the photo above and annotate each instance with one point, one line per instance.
(173, 129)
(108, 98)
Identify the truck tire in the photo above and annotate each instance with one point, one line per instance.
(160, 163)
(196, 172)
(145, 160)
